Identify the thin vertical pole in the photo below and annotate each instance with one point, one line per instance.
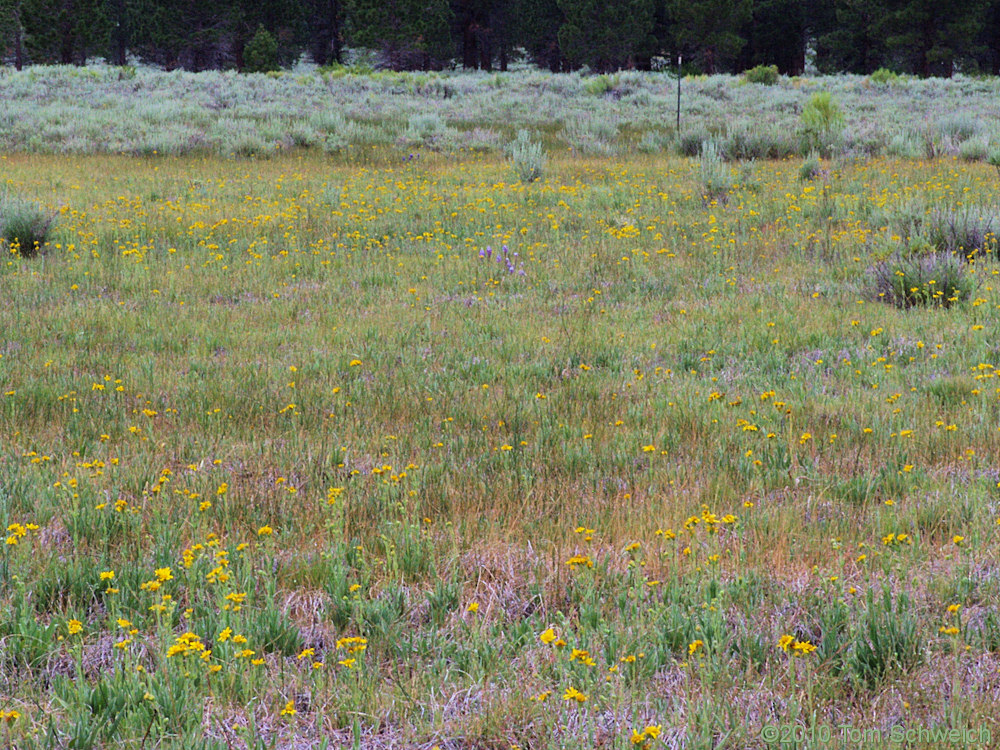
(678, 95)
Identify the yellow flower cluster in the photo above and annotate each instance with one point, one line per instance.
(188, 644)
(797, 647)
(651, 732)
(16, 532)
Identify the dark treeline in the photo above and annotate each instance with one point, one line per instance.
(923, 37)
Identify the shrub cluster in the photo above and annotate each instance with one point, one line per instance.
(526, 157)
(923, 279)
(822, 121)
(967, 232)
(766, 75)
(715, 177)
(24, 226)
(884, 77)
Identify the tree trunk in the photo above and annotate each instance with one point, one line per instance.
(799, 66)
(336, 51)
(18, 38)
(926, 45)
(485, 55)
(469, 52)
(66, 39)
(121, 33)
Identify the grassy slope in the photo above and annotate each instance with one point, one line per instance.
(315, 347)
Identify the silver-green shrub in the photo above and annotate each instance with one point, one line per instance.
(526, 157)
(716, 180)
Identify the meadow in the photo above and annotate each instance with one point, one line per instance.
(70, 110)
(382, 446)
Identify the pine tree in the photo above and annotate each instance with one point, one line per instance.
(710, 30)
(10, 24)
(184, 34)
(63, 31)
(930, 37)
(606, 35)
(535, 26)
(261, 52)
(483, 31)
(989, 39)
(776, 35)
(858, 42)
(408, 33)
(325, 28)
(284, 20)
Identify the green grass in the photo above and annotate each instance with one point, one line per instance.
(289, 403)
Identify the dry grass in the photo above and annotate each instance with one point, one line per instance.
(683, 433)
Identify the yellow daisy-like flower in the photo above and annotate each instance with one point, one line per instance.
(802, 648)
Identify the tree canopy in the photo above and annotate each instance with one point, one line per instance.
(922, 37)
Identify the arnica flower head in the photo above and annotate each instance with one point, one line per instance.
(651, 732)
(580, 560)
(353, 644)
(802, 648)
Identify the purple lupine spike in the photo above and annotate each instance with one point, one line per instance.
(489, 251)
